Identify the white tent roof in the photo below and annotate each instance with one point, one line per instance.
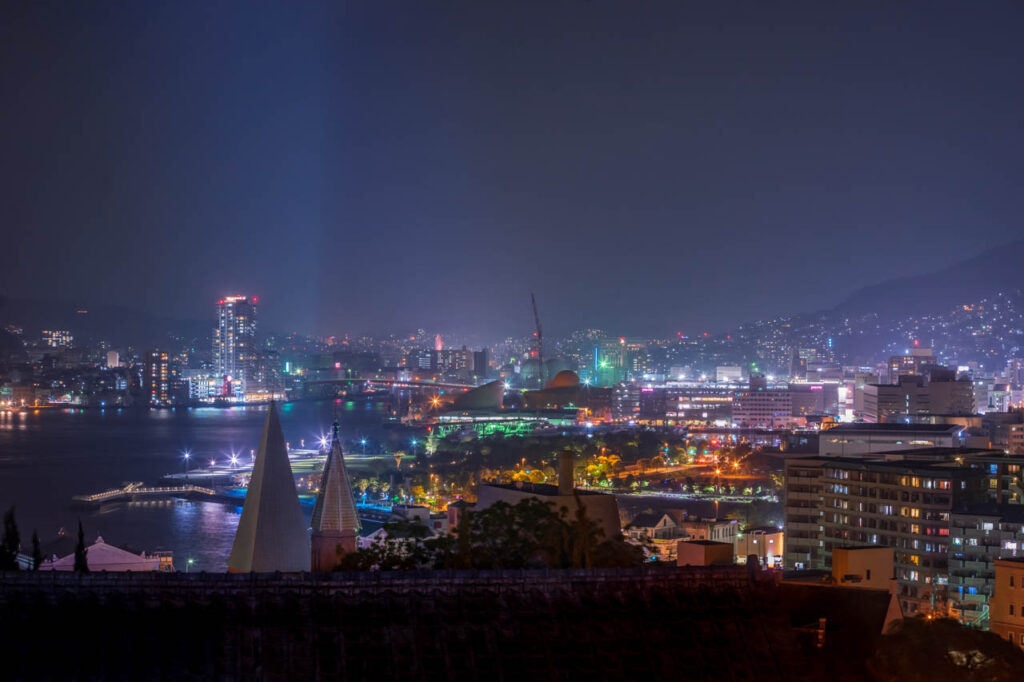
(103, 557)
(272, 532)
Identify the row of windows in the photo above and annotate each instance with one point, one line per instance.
(889, 479)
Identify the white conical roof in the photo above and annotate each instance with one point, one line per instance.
(271, 534)
(335, 508)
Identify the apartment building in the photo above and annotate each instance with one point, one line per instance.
(905, 505)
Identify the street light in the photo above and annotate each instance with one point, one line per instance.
(188, 564)
(188, 455)
(362, 441)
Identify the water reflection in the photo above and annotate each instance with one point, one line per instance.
(47, 458)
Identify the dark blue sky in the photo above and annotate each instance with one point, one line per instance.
(646, 167)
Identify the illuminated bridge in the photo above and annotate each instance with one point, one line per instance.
(135, 491)
(330, 386)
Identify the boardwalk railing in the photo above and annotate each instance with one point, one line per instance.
(136, 490)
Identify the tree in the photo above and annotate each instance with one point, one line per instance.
(464, 541)
(10, 544)
(37, 553)
(585, 536)
(81, 560)
(920, 650)
(529, 534)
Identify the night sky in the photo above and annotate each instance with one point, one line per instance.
(374, 166)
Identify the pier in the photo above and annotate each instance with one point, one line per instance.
(137, 491)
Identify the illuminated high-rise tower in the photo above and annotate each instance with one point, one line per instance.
(156, 386)
(234, 343)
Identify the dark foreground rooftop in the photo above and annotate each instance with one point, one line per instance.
(649, 623)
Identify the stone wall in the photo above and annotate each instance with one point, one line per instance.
(650, 623)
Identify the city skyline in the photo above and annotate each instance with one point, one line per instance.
(897, 302)
(591, 340)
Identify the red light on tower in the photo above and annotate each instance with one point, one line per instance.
(916, 343)
(255, 299)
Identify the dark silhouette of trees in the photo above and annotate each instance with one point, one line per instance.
(37, 553)
(529, 534)
(922, 650)
(10, 544)
(81, 561)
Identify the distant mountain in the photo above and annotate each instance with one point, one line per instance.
(120, 325)
(998, 269)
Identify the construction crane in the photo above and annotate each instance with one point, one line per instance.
(540, 340)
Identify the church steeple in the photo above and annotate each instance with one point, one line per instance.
(335, 519)
(271, 534)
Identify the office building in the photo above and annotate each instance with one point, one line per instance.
(913, 363)
(948, 395)
(452, 359)
(904, 402)
(915, 398)
(698, 403)
(482, 363)
(625, 402)
(635, 359)
(234, 345)
(856, 440)
(766, 409)
(800, 360)
(156, 380)
(113, 359)
(421, 359)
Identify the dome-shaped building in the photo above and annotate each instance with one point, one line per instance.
(564, 379)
